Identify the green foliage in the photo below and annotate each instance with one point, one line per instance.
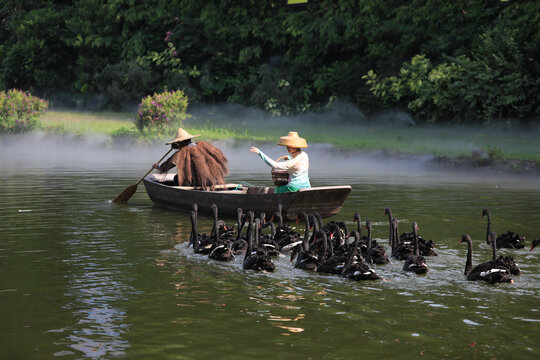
(496, 81)
(427, 91)
(244, 52)
(124, 133)
(33, 56)
(495, 153)
(20, 111)
(493, 82)
(124, 82)
(159, 112)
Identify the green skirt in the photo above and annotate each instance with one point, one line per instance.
(285, 188)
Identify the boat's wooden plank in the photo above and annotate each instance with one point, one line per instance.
(326, 200)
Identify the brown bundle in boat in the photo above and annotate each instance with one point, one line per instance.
(198, 164)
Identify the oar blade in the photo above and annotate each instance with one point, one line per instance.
(126, 194)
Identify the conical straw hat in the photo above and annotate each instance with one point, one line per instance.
(293, 140)
(182, 136)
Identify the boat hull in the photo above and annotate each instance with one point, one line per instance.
(327, 201)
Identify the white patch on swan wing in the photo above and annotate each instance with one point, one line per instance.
(291, 246)
(493, 271)
(216, 248)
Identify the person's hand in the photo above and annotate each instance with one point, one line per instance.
(155, 166)
(255, 150)
(284, 157)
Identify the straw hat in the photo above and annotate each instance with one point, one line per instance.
(182, 136)
(293, 140)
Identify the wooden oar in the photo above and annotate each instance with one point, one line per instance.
(130, 190)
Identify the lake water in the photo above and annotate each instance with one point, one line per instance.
(84, 278)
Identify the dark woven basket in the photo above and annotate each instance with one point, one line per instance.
(280, 177)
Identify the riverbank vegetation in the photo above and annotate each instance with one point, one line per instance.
(441, 61)
(386, 133)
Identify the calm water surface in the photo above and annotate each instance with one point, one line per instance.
(85, 278)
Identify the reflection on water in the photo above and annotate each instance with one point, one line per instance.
(84, 278)
(97, 286)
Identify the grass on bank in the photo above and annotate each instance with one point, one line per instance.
(452, 141)
(85, 123)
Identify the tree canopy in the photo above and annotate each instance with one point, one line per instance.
(467, 60)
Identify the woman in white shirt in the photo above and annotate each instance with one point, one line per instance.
(296, 163)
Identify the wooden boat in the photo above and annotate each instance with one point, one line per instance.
(326, 200)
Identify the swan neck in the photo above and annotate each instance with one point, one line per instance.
(468, 263)
(241, 225)
(306, 233)
(494, 247)
(215, 225)
(394, 234)
(256, 236)
(488, 230)
(272, 230)
(249, 241)
(416, 249)
(194, 237)
(325, 246)
(354, 248)
(369, 237)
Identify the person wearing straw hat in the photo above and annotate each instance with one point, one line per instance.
(198, 164)
(296, 163)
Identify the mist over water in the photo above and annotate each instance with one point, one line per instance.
(328, 165)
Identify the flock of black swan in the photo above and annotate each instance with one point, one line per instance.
(332, 248)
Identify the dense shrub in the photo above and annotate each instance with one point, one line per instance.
(494, 82)
(124, 83)
(159, 112)
(20, 111)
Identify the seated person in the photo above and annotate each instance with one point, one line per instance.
(296, 163)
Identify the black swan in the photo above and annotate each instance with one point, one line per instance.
(306, 257)
(220, 248)
(294, 240)
(425, 246)
(485, 271)
(284, 235)
(272, 247)
(336, 260)
(509, 239)
(349, 238)
(356, 268)
(202, 243)
(310, 257)
(416, 263)
(338, 251)
(375, 253)
(193, 235)
(401, 250)
(392, 239)
(303, 242)
(195, 240)
(534, 243)
(221, 251)
(254, 260)
(363, 243)
(486, 213)
(239, 244)
(509, 263)
(314, 227)
(258, 244)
